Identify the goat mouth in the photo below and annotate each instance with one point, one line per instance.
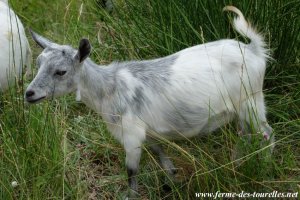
(35, 100)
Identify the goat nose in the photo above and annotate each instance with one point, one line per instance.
(29, 93)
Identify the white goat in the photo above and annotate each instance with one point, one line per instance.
(191, 92)
(15, 51)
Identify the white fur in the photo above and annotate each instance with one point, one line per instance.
(15, 51)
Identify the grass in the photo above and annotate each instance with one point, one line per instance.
(61, 150)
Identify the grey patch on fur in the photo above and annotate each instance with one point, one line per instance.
(108, 79)
(123, 101)
(138, 100)
(115, 118)
(183, 117)
(153, 73)
(64, 58)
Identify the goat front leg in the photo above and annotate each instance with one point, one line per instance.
(133, 156)
(133, 138)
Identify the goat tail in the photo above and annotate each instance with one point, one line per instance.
(240, 24)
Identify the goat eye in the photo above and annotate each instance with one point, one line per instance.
(60, 73)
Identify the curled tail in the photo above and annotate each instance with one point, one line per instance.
(240, 24)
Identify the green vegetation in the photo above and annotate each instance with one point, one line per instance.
(61, 150)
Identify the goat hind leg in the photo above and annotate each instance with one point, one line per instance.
(165, 161)
(253, 114)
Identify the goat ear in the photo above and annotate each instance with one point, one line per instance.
(84, 50)
(40, 40)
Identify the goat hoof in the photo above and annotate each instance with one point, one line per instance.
(166, 188)
(174, 171)
(266, 136)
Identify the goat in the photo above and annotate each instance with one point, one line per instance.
(15, 50)
(191, 92)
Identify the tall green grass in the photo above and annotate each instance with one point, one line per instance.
(61, 150)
